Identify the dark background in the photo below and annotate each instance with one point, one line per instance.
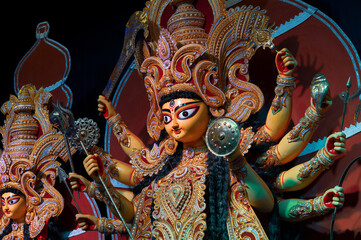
(93, 34)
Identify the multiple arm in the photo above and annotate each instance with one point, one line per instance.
(292, 144)
(119, 170)
(259, 195)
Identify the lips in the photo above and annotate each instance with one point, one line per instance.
(177, 131)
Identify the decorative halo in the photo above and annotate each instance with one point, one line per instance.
(222, 136)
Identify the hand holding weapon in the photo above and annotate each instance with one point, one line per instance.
(85, 137)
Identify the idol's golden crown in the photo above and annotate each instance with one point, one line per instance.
(183, 56)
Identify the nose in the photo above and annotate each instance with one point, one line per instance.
(6, 207)
(175, 124)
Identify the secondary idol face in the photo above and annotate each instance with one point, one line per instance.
(13, 206)
(186, 120)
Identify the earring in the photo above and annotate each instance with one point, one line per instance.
(5, 220)
(29, 217)
(171, 146)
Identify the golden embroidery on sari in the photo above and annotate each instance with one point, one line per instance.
(179, 202)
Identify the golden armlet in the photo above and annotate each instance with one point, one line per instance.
(318, 163)
(309, 208)
(269, 159)
(261, 136)
(97, 191)
(94, 191)
(108, 226)
(119, 129)
(308, 123)
(279, 182)
(284, 88)
(109, 165)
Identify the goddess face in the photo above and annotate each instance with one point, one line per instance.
(186, 119)
(14, 206)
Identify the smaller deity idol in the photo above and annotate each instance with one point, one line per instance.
(28, 167)
(15, 222)
(14, 207)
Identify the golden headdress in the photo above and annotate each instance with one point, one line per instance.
(182, 56)
(28, 161)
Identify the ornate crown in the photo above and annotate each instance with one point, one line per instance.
(183, 57)
(28, 161)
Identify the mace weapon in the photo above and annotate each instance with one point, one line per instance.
(85, 137)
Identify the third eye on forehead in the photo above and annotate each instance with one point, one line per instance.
(180, 105)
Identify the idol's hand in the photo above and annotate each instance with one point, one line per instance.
(285, 62)
(94, 167)
(87, 222)
(79, 182)
(336, 144)
(334, 197)
(106, 107)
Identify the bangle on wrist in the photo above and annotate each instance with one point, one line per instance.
(119, 129)
(308, 123)
(284, 88)
(318, 163)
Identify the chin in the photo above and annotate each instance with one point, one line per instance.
(178, 138)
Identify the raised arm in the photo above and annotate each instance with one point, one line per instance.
(127, 140)
(279, 114)
(293, 143)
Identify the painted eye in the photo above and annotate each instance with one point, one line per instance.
(167, 119)
(2, 202)
(187, 113)
(12, 201)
